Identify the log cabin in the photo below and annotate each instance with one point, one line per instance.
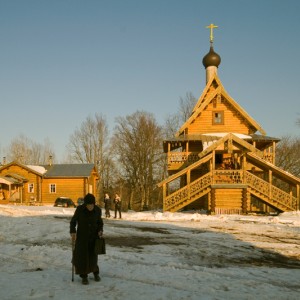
(222, 161)
(41, 185)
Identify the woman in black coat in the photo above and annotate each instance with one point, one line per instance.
(85, 227)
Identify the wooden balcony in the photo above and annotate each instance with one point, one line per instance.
(228, 177)
(269, 158)
(177, 160)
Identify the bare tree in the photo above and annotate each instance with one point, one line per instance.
(40, 154)
(171, 126)
(298, 122)
(186, 106)
(175, 120)
(89, 144)
(137, 141)
(26, 151)
(110, 174)
(288, 154)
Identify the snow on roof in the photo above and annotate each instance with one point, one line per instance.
(222, 134)
(38, 169)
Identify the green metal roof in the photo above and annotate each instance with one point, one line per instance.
(68, 170)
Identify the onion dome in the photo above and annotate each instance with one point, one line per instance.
(211, 58)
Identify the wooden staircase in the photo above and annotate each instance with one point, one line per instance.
(261, 189)
(188, 193)
(269, 193)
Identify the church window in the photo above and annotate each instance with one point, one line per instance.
(218, 117)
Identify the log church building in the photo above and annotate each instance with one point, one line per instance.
(221, 159)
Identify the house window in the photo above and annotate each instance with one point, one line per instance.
(218, 117)
(30, 188)
(52, 188)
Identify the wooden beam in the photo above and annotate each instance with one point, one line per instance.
(298, 195)
(274, 152)
(188, 181)
(164, 195)
(270, 184)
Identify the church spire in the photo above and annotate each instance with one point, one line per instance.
(212, 59)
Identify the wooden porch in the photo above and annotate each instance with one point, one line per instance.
(231, 189)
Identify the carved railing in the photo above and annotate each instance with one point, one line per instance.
(274, 194)
(268, 157)
(283, 198)
(188, 192)
(258, 184)
(270, 193)
(228, 176)
(182, 157)
(199, 184)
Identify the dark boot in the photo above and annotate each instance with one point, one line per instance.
(97, 277)
(85, 280)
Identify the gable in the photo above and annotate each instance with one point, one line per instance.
(230, 142)
(16, 173)
(17, 167)
(214, 102)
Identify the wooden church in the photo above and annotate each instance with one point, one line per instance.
(221, 160)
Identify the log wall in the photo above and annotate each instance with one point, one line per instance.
(228, 201)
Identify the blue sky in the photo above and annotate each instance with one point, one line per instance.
(62, 61)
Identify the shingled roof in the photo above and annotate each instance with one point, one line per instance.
(69, 170)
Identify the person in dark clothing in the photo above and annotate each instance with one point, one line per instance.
(107, 203)
(117, 201)
(86, 226)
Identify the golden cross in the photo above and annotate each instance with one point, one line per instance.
(211, 26)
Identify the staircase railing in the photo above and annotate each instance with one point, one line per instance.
(228, 176)
(198, 188)
(188, 192)
(284, 198)
(274, 195)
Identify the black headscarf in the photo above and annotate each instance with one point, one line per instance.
(89, 199)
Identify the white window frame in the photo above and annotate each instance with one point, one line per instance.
(31, 188)
(52, 188)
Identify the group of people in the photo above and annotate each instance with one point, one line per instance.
(107, 205)
(86, 226)
(229, 164)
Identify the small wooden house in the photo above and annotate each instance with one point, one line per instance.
(222, 161)
(41, 185)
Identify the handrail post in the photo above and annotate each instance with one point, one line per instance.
(298, 196)
(244, 169)
(270, 184)
(164, 195)
(188, 181)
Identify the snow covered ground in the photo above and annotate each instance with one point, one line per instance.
(152, 255)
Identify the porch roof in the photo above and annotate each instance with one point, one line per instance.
(210, 137)
(8, 180)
